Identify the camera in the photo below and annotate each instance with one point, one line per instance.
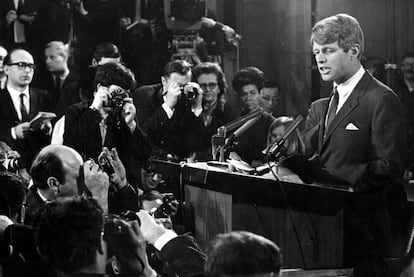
(112, 227)
(114, 232)
(168, 207)
(189, 93)
(184, 15)
(11, 163)
(116, 101)
(105, 164)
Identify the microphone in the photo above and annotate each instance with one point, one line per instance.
(230, 33)
(244, 127)
(276, 149)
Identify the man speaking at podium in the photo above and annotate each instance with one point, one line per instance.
(357, 134)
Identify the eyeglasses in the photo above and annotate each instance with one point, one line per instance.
(210, 86)
(23, 65)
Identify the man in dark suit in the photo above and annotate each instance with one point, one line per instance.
(59, 78)
(169, 117)
(109, 121)
(358, 136)
(19, 103)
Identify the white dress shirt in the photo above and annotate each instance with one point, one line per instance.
(15, 96)
(345, 89)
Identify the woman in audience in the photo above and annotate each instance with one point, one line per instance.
(216, 110)
(248, 83)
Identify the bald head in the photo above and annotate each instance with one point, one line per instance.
(57, 167)
(19, 68)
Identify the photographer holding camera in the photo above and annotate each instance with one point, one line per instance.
(170, 112)
(109, 121)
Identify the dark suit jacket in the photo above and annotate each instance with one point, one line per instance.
(372, 154)
(365, 146)
(58, 95)
(180, 135)
(33, 32)
(39, 101)
(82, 133)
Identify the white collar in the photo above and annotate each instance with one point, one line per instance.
(349, 85)
(14, 93)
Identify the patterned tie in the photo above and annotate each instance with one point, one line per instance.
(330, 115)
(23, 110)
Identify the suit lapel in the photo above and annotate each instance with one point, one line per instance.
(9, 106)
(34, 103)
(350, 104)
(322, 122)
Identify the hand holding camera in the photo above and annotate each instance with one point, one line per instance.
(126, 241)
(173, 94)
(101, 97)
(97, 183)
(110, 163)
(193, 93)
(128, 113)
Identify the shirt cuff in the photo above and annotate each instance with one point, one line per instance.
(197, 111)
(164, 239)
(167, 110)
(13, 133)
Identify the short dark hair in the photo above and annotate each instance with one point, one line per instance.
(68, 232)
(242, 253)
(248, 76)
(177, 66)
(106, 50)
(114, 74)
(12, 193)
(47, 165)
(211, 68)
(341, 28)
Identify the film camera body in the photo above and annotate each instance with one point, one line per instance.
(116, 100)
(189, 93)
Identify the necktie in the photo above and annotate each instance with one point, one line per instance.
(23, 110)
(19, 7)
(58, 83)
(330, 115)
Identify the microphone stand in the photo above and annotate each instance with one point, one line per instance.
(219, 141)
(276, 151)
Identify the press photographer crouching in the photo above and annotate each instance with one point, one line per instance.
(58, 172)
(170, 112)
(109, 121)
(76, 239)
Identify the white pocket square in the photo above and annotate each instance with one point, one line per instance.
(351, 127)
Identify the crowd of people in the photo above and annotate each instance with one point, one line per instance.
(77, 149)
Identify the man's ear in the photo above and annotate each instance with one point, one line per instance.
(53, 184)
(6, 69)
(164, 82)
(94, 62)
(355, 50)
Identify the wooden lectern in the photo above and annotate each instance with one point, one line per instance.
(222, 201)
